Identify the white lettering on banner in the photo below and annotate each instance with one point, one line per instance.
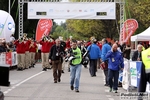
(69, 10)
(133, 73)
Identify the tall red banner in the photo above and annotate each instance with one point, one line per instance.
(44, 27)
(128, 29)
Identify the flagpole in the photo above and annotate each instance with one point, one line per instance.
(9, 7)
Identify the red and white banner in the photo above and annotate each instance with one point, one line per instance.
(128, 29)
(44, 27)
(9, 58)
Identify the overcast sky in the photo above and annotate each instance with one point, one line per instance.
(58, 21)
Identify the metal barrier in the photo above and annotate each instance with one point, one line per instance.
(131, 75)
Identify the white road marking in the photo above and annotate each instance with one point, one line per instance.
(110, 99)
(108, 96)
(22, 82)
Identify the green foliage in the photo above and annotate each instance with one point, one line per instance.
(96, 28)
(60, 30)
(139, 10)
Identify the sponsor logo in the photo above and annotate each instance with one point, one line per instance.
(1, 25)
(50, 10)
(31, 10)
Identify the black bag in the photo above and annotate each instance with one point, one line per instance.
(88, 55)
(1, 95)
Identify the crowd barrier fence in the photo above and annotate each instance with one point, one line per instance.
(131, 75)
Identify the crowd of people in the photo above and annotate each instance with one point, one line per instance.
(54, 54)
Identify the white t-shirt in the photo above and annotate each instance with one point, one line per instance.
(39, 46)
(12, 38)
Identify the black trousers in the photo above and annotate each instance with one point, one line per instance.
(93, 67)
(144, 78)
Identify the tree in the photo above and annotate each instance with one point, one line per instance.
(139, 10)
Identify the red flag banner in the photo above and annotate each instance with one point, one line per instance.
(44, 27)
(128, 29)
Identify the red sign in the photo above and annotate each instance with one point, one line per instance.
(9, 58)
(128, 29)
(43, 28)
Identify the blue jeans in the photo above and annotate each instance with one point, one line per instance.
(75, 72)
(113, 74)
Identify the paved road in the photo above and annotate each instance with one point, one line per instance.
(35, 84)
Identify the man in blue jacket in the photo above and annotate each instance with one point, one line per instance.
(115, 63)
(105, 48)
(94, 55)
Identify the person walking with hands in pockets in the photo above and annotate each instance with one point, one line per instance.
(115, 63)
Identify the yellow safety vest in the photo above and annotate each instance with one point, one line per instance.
(77, 56)
(146, 59)
(143, 48)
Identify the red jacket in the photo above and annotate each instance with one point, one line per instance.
(100, 45)
(68, 46)
(88, 43)
(46, 46)
(27, 44)
(20, 47)
(33, 47)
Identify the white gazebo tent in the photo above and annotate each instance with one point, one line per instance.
(144, 36)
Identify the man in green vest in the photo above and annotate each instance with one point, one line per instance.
(75, 66)
(145, 70)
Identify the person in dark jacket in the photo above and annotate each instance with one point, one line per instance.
(115, 63)
(126, 52)
(56, 58)
(137, 54)
(82, 47)
(2, 48)
(63, 44)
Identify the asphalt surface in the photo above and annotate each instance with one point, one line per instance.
(35, 84)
